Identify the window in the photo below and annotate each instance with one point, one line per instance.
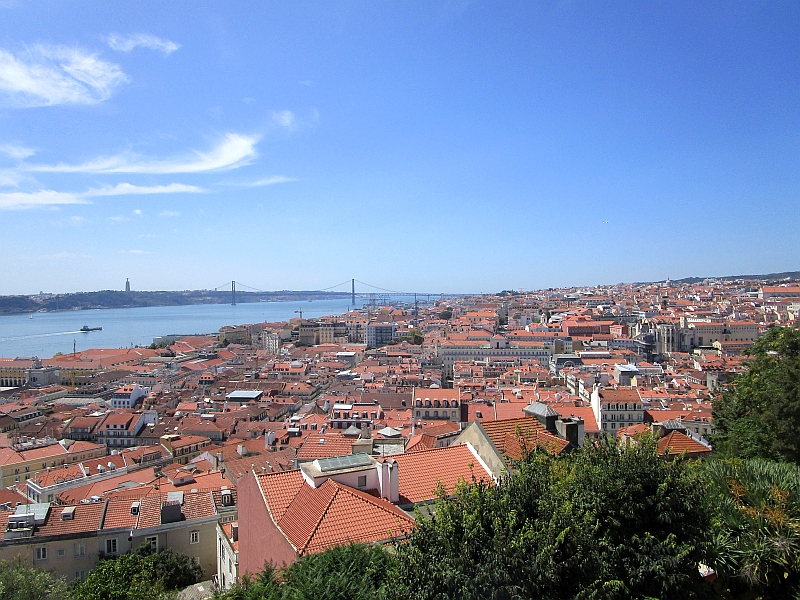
(362, 481)
(152, 542)
(80, 575)
(61, 553)
(41, 553)
(111, 546)
(79, 549)
(195, 537)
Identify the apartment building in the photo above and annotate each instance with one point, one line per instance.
(70, 540)
(379, 334)
(615, 408)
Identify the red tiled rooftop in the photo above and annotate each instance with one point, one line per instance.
(676, 443)
(420, 473)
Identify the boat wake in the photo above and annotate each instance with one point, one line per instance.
(37, 335)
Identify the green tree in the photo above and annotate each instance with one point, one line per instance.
(598, 523)
(759, 415)
(138, 575)
(350, 572)
(756, 527)
(18, 581)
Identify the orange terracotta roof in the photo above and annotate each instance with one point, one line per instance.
(420, 473)
(335, 514)
(516, 446)
(421, 442)
(676, 443)
(279, 490)
(334, 444)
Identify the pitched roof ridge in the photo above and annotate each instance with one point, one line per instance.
(440, 448)
(357, 495)
(323, 512)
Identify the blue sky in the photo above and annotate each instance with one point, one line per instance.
(419, 146)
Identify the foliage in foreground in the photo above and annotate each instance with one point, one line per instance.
(759, 416)
(21, 582)
(756, 528)
(355, 571)
(140, 575)
(597, 524)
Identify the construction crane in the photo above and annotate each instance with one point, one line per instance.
(301, 313)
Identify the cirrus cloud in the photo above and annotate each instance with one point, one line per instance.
(48, 75)
(17, 151)
(125, 189)
(39, 199)
(233, 151)
(126, 43)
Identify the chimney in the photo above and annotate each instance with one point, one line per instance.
(241, 450)
(389, 481)
(219, 459)
(235, 532)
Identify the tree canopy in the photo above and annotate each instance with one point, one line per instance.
(759, 415)
(353, 572)
(599, 523)
(139, 575)
(21, 582)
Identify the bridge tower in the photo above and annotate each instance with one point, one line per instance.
(233, 293)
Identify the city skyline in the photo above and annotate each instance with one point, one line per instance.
(459, 147)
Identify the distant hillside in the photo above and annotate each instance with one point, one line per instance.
(118, 299)
(769, 277)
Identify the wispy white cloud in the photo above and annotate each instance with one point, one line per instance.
(118, 219)
(76, 220)
(248, 100)
(284, 118)
(125, 189)
(41, 198)
(126, 43)
(169, 213)
(138, 212)
(17, 151)
(11, 178)
(134, 252)
(47, 75)
(272, 180)
(231, 152)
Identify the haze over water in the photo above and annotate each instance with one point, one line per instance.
(48, 333)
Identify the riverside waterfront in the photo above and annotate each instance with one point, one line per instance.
(48, 333)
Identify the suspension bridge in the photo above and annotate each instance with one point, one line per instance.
(366, 290)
